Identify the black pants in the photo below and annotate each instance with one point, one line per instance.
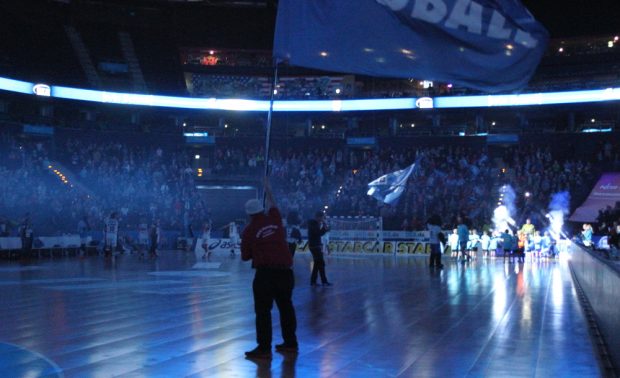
(435, 256)
(463, 245)
(318, 266)
(292, 247)
(270, 285)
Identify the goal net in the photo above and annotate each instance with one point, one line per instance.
(355, 228)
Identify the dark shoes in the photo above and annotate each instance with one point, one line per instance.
(258, 352)
(290, 348)
(324, 284)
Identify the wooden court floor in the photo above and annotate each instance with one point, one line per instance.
(384, 317)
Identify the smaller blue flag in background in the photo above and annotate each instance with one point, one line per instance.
(389, 187)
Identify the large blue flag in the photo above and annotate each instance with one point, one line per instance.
(491, 45)
(389, 187)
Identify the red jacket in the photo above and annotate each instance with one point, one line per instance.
(264, 241)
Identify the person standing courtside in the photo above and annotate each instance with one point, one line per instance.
(316, 229)
(463, 233)
(434, 227)
(264, 242)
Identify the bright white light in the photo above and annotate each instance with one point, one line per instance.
(556, 221)
(197, 157)
(610, 94)
(528, 194)
(561, 49)
(593, 120)
(275, 91)
(610, 44)
(337, 90)
(500, 218)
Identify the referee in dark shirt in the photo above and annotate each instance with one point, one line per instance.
(316, 229)
(264, 242)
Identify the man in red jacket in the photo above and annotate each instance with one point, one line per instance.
(264, 242)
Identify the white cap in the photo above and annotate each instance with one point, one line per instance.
(253, 206)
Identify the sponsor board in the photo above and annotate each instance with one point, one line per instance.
(335, 246)
(217, 246)
(373, 247)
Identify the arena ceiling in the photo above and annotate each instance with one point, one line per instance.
(566, 18)
(212, 3)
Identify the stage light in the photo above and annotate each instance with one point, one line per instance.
(527, 194)
(197, 157)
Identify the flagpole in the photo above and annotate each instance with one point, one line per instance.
(269, 122)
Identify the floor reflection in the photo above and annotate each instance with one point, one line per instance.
(384, 317)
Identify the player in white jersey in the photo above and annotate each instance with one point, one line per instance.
(453, 241)
(110, 233)
(206, 236)
(485, 242)
(474, 243)
(233, 235)
(537, 243)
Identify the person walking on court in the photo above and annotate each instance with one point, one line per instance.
(264, 242)
(316, 229)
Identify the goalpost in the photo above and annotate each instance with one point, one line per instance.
(355, 228)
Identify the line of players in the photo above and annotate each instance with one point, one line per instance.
(149, 237)
(233, 236)
(527, 241)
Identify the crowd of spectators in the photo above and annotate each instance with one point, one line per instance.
(144, 182)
